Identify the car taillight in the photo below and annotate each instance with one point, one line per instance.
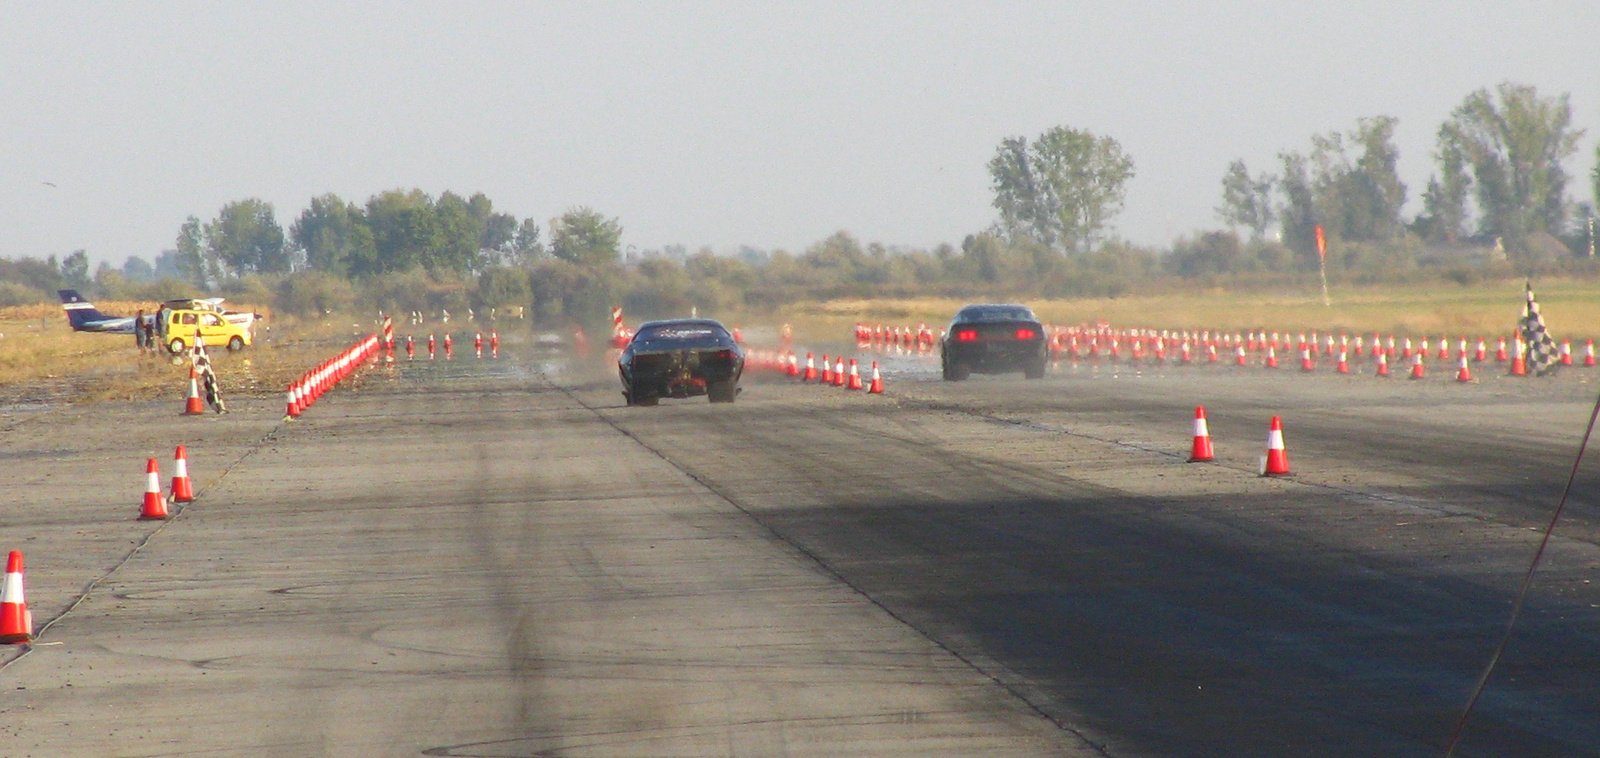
(1026, 334)
(724, 355)
(966, 335)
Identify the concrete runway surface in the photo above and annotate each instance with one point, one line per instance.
(496, 558)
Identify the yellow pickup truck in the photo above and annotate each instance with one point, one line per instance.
(181, 324)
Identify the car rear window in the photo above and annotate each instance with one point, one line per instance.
(686, 335)
(979, 314)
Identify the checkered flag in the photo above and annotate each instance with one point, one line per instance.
(1542, 353)
(208, 376)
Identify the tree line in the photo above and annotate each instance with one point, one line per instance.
(1496, 204)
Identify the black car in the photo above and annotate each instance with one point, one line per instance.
(993, 339)
(680, 358)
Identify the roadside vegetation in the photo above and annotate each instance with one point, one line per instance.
(1499, 210)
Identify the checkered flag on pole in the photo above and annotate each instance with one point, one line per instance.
(1542, 352)
(208, 376)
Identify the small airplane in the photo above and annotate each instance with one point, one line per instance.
(84, 317)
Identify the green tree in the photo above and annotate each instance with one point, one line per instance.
(1062, 190)
(332, 235)
(404, 232)
(1515, 142)
(246, 239)
(458, 229)
(1297, 210)
(585, 237)
(75, 270)
(191, 262)
(1444, 204)
(526, 247)
(1247, 202)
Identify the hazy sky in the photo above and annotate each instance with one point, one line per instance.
(767, 124)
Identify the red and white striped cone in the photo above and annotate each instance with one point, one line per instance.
(1183, 353)
(1417, 371)
(855, 377)
(431, 345)
(182, 489)
(1211, 352)
(1519, 366)
(291, 409)
(494, 345)
(1566, 352)
(810, 374)
(1588, 352)
(791, 367)
(1500, 352)
(16, 623)
(1272, 356)
(1383, 363)
(477, 345)
(1240, 358)
(838, 371)
(193, 405)
(155, 506)
(1276, 463)
(1306, 363)
(449, 347)
(1408, 351)
(411, 348)
(827, 370)
(1344, 362)
(876, 387)
(1360, 347)
(1482, 353)
(1202, 437)
(1463, 371)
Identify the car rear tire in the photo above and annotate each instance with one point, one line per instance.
(955, 372)
(722, 392)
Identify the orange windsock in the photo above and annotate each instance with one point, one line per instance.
(182, 489)
(1202, 437)
(155, 506)
(16, 623)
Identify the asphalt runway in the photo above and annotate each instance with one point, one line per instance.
(500, 559)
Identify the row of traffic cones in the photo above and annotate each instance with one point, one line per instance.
(1274, 463)
(155, 503)
(16, 621)
(836, 373)
(450, 346)
(303, 392)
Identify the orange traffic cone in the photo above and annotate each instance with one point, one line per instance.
(810, 374)
(838, 371)
(155, 506)
(494, 344)
(855, 377)
(1202, 437)
(1566, 352)
(182, 490)
(1463, 371)
(1344, 363)
(1272, 356)
(1519, 366)
(1383, 363)
(1417, 371)
(1306, 363)
(1588, 352)
(1500, 352)
(1277, 460)
(876, 387)
(194, 406)
(791, 367)
(827, 370)
(16, 623)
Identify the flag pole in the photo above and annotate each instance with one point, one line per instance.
(1322, 264)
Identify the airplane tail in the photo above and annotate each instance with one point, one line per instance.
(79, 311)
